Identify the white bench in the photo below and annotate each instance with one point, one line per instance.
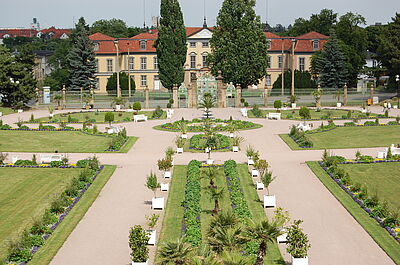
(274, 115)
(50, 158)
(114, 129)
(303, 127)
(140, 117)
(244, 112)
(170, 112)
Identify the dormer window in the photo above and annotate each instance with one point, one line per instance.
(143, 45)
(268, 44)
(315, 44)
(96, 47)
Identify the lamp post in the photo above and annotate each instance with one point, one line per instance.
(117, 69)
(398, 90)
(293, 46)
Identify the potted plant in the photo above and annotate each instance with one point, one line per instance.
(152, 184)
(151, 223)
(138, 239)
(58, 98)
(261, 167)
(231, 129)
(236, 141)
(297, 244)
(182, 126)
(277, 105)
(292, 101)
(317, 94)
(87, 98)
(180, 143)
(266, 179)
(51, 110)
(169, 154)
(118, 101)
(252, 155)
(165, 165)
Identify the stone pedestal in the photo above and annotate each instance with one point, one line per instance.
(175, 96)
(345, 95)
(221, 91)
(266, 97)
(64, 96)
(238, 97)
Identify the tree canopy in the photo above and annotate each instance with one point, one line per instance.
(302, 79)
(171, 44)
(238, 44)
(116, 28)
(123, 82)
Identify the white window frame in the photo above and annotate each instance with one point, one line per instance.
(143, 80)
(205, 44)
(315, 44)
(155, 62)
(302, 65)
(268, 81)
(280, 61)
(143, 63)
(192, 44)
(110, 65)
(142, 44)
(193, 62)
(131, 62)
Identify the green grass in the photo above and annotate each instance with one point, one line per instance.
(351, 137)
(6, 111)
(57, 239)
(382, 178)
(50, 141)
(186, 147)
(24, 195)
(172, 223)
(334, 113)
(379, 234)
(99, 116)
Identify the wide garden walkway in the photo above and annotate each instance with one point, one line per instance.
(102, 235)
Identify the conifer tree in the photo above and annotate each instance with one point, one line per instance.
(238, 44)
(171, 44)
(331, 64)
(82, 58)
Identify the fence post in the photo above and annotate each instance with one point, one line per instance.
(238, 97)
(345, 95)
(221, 91)
(64, 97)
(146, 102)
(266, 96)
(175, 96)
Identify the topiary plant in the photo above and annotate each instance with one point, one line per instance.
(138, 239)
(136, 106)
(277, 104)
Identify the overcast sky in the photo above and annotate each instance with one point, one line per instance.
(62, 13)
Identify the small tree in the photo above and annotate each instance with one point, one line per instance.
(277, 104)
(118, 101)
(267, 179)
(261, 165)
(164, 164)
(317, 94)
(297, 241)
(58, 98)
(138, 239)
(169, 153)
(251, 153)
(109, 117)
(304, 112)
(389, 153)
(152, 183)
(237, 140)
(179, 141)
(152, 220)
(136, 106)
(216, 195)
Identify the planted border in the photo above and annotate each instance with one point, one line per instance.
(191, 226)
(195, 142)
(240, 125)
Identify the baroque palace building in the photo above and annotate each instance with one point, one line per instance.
(137, 56)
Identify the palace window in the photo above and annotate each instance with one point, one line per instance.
(143, 80)
(205, 44)
(280, 61)
(269, 62)
(205, 60)
(131, 63)
(143, 45)
(143, 63)
(302, 66)
(315, 44)
(193, 61)
(268, 80)
(155, 63)
(193, 44)
(109, 65)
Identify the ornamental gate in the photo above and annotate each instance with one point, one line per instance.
(206, 84)
(183, 96)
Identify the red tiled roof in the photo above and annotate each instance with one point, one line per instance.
(100, 36)
(312, 35)
(57, 32)
(151, 35)
(307, 45)
(18, 32)
(108, 46)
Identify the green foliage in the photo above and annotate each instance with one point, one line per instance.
(277, 104)
(297, 242)
(200, 142)
(164, 164)
(138, 239)
(171, 44)
(300, 137)
(152, 220)
(238, 44)
(16, 79)
(321, 23)
(25, 163)
(136, 106)
(304, 112)
(152, 183)
(82, 58)
(302, 79)
(116, 28)
(109, 117)
(123, 82)
(157, 113)
(191, 203)
(256, 111)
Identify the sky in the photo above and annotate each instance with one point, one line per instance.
(63, 13)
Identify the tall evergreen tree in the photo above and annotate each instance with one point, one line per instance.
(82, 58)
(331, 64)
(16, 79)
(171, 44)
(238, 44)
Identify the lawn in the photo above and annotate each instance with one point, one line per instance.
(197, 144)
(351, 137)
(6, 111)
(172, 223)
(380, 178)
(98, 117)
(324, 114)
(57, 239)
(52, 141)
(24, 194)
(379, 234)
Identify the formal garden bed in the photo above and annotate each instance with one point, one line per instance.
(368, 190)
(45, 199)
(196, 125)
(97, 116)
(351, 135)
(198, 143)
(63, 141)
(189, 214)
(322, 114)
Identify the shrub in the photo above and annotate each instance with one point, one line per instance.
(369, 123)
(256, 111)
(297, 241)
(386, 113)
(137, 106)
(157, 113)
(138, 239)
(19, 254)
(304, 112)
(3, 157)
(348, 114)
(49, 218)
(349, 124)
(56, 163)
(25, 163)
(109, 117)
(277, 104)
